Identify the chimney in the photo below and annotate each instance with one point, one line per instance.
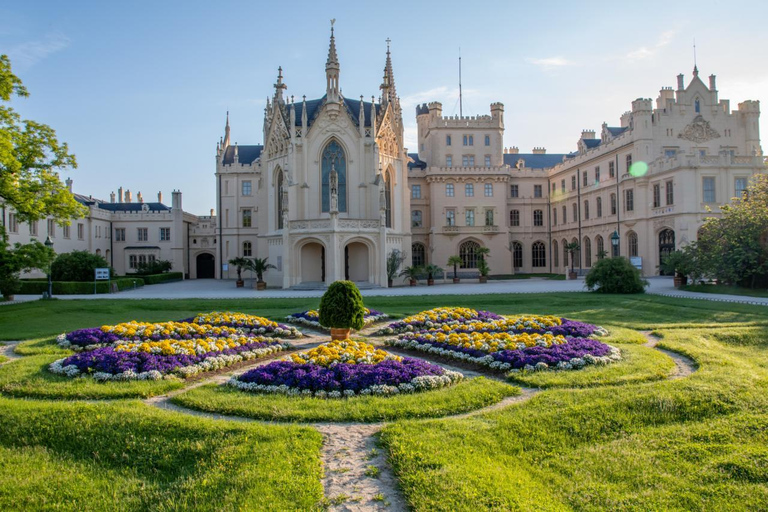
(712, 85)
(69, 184)
(160, 197)
(587, 134)
(514, 150)
(127, 196)
(139, 198)
(680, 82)
(176, 199)
(543, 151)
(213, 212)
(120, 195)
(112, 197)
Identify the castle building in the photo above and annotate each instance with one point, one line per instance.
(326, 196)
(332, 191)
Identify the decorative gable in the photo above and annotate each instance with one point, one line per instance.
(698, 131)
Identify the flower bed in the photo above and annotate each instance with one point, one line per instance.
(345, 368)
(155, 360)
(311, 318)
(437, 316)
(248, 323)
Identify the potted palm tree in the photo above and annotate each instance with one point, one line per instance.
(240, 263)
(341, 309)
(679, 264)
(412, 273)
(455, 261)
(394, 260)
(259, 266)
(431, 270)
(482, 265)
(572, 248)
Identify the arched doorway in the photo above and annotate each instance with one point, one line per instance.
(312, 263)
(206, 266)
(666, 244)
(356, 262)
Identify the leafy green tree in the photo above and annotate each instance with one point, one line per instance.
(76, 266)
(615, 275)
(30, 158)
(22, 258)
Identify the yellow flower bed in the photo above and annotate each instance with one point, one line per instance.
(147, 329)
(491, 341)
(507, 324)
(343, 351)
(441, 315)
(190, 347)
(240, 319)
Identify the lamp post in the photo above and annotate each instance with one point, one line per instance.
(49, 244)
(615, 243)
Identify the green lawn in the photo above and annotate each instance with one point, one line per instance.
(728, 290)
(620, 437)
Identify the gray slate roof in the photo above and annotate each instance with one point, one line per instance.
(133, 207)
(534, 161)
(416, 164)
(615, 130)
(245, 154)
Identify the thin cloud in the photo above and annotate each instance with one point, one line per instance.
(551, 62)
(26, 55)
(646, 52)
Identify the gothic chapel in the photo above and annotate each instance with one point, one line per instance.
(326, 197)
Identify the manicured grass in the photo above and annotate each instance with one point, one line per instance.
(465, 396)
(49, 318)
(728, 290)
(29, 377)
(639, 364)
(692, 443)
(127, 456)
(3, 359)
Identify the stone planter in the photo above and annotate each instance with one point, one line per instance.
(483, 279)
(572, 275)
(339, 334)
(239, 284)
(679, 281)
(456, 280)
(430, 282)
(414, 282)
(261, 285)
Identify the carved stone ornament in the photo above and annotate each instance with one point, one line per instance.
(698, 131)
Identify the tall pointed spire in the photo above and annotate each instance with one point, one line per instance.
(332, 69)
(389, 93)
(279, 85)
(225, 143)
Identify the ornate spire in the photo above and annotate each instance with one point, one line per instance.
(332, 69)
(279, 85)
(225, 142)
(389, 93)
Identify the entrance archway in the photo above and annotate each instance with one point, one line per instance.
(666, 244)
(356, 262)
(312, 263)
(206, 266)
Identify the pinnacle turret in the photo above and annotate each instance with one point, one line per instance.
(332, 68)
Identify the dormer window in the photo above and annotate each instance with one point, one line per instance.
(697, 106)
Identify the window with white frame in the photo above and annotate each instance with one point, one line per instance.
(489, 190)
(469, 190)
(51, 228)
(611, 169)
(469, 217)
(165, 234)
(514, 191)
(514, 217)
(537, 191)
(449, 190)
(142, 234)
(487, 160)
(708, 186)
(33, 227)
(489, 218)
(740, 187)
(416, 220)
(629, 200)
(416, 192)
(538, 218)
(133, 261)
(656, 195)
(247, 249)
(247, 218)
(246, 188)
(448, 161)
(450, 217)
(13, 224)
(670, 193)
(487, 140)
(119, 234)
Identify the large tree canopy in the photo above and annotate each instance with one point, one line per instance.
(30, 158)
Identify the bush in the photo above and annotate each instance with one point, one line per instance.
(154, 267)
(341, 307)
(38, 286)
(76, 266)
(163, 278)
(615, 275)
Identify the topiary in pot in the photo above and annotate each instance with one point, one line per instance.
(615, 275)
(341, 309)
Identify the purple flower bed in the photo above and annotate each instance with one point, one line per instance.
(91, 336)
(340, 377)
(108, 360)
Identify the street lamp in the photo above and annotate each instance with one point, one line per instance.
(49, 244)
(615, 243)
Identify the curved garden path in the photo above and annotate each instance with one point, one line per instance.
(357, 475)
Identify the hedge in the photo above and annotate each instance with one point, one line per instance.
(163, 278)
(38, 286)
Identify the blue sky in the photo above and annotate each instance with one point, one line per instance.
(139, 89)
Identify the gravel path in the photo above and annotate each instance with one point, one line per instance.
(684, 364)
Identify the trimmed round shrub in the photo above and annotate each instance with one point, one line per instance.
(341, 307)
(615, 275)
(76, 266)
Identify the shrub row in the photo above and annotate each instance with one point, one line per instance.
(38, 286)
(162, 278)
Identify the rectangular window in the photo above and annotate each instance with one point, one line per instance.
(416, 192)
(554, 188)
(449, 191)
(613, 204)
(562, 186)
(416, 220)
(565, 215)
(489, 190)
(33, 228)
(465, 160)
(740, 186)
(629, 200)
(447, 140)
(471, 160)
(51, 228)
(708, 184)
(599, 207)
(246, 188)
(165, 234)
(538, 218)
(489, 218)
(537, 191)
(469, 190)
(611, 169)
(586, 210)
(670, 153)
(573, 182)
(597, 174)
(554, 216)
(142, 233)
(449, 161)
(629, 162)
(119, 234)
(13, 225)
(656, 195)
(514, 191)
(670, 193)
(450, 217)
(584, 179)
(133, 261)
(514, 218)
(702, 153)
(81, 232)
(142, 259)
(487, 140)
(247, 218)
(65, 231)
(471, 140)
(487, 160)
(575, 212)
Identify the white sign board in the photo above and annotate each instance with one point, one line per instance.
(225, 267)
(637, 262)
(102, 274)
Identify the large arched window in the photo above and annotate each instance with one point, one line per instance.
(555, 253)
(600, 247)
(539, 254)
(279, 198)
(632, 244)
(587, 248)
(419, 258)
(333, 158)
(517, 255)
(468, 254)
(388, 197)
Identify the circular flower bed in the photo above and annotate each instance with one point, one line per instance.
(437, 316)
(311, 318)
(521, 343)
(345, 368)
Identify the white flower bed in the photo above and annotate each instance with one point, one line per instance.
(314, 324)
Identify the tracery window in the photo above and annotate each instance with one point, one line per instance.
(468, 254)
(333, 158)
(539, 253)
